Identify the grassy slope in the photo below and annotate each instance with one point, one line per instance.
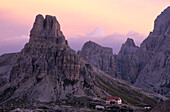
(124, 90)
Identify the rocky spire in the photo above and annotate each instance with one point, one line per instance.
(128, 47)
(127, 68)
(47, 28)
(130, 42)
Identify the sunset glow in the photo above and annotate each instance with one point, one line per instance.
(79, 17)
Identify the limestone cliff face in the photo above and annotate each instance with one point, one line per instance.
(52, 73)
(101, 57)
(148, 65)
(127, 66)
(156, 74)
(161, 25)
(46, 69)
(47, 28)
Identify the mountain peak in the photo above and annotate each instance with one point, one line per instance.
(47, 28)
(91, 43)
(94, 46)
(130, 42)
(99, 56)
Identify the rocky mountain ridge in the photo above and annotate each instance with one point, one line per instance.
(101, 57)
(48, 71)
(146, 66)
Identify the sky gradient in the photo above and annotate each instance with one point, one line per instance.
(77, 17)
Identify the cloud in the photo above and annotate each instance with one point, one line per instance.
(114, 40)
(15, 44)
(10, 27)
(12, 33)
(97, 32)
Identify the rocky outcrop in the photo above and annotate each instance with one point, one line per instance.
(50, 69)
(47, 28)
(127, 67)
(51, 73)
(47, 72)
(162, 107)
(156, 73)
(148, 66)
(131, 60)
(100, 57)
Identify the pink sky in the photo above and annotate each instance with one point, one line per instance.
(78, 17)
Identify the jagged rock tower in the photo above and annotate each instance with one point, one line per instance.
(127, 68)
(47, 29)
(47, 70)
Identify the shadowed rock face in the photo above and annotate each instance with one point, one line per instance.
(101, 57)
(127, 66)
(149, 65)
(51, 72)
(48, 29)
(156, 74)
(48, 71)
